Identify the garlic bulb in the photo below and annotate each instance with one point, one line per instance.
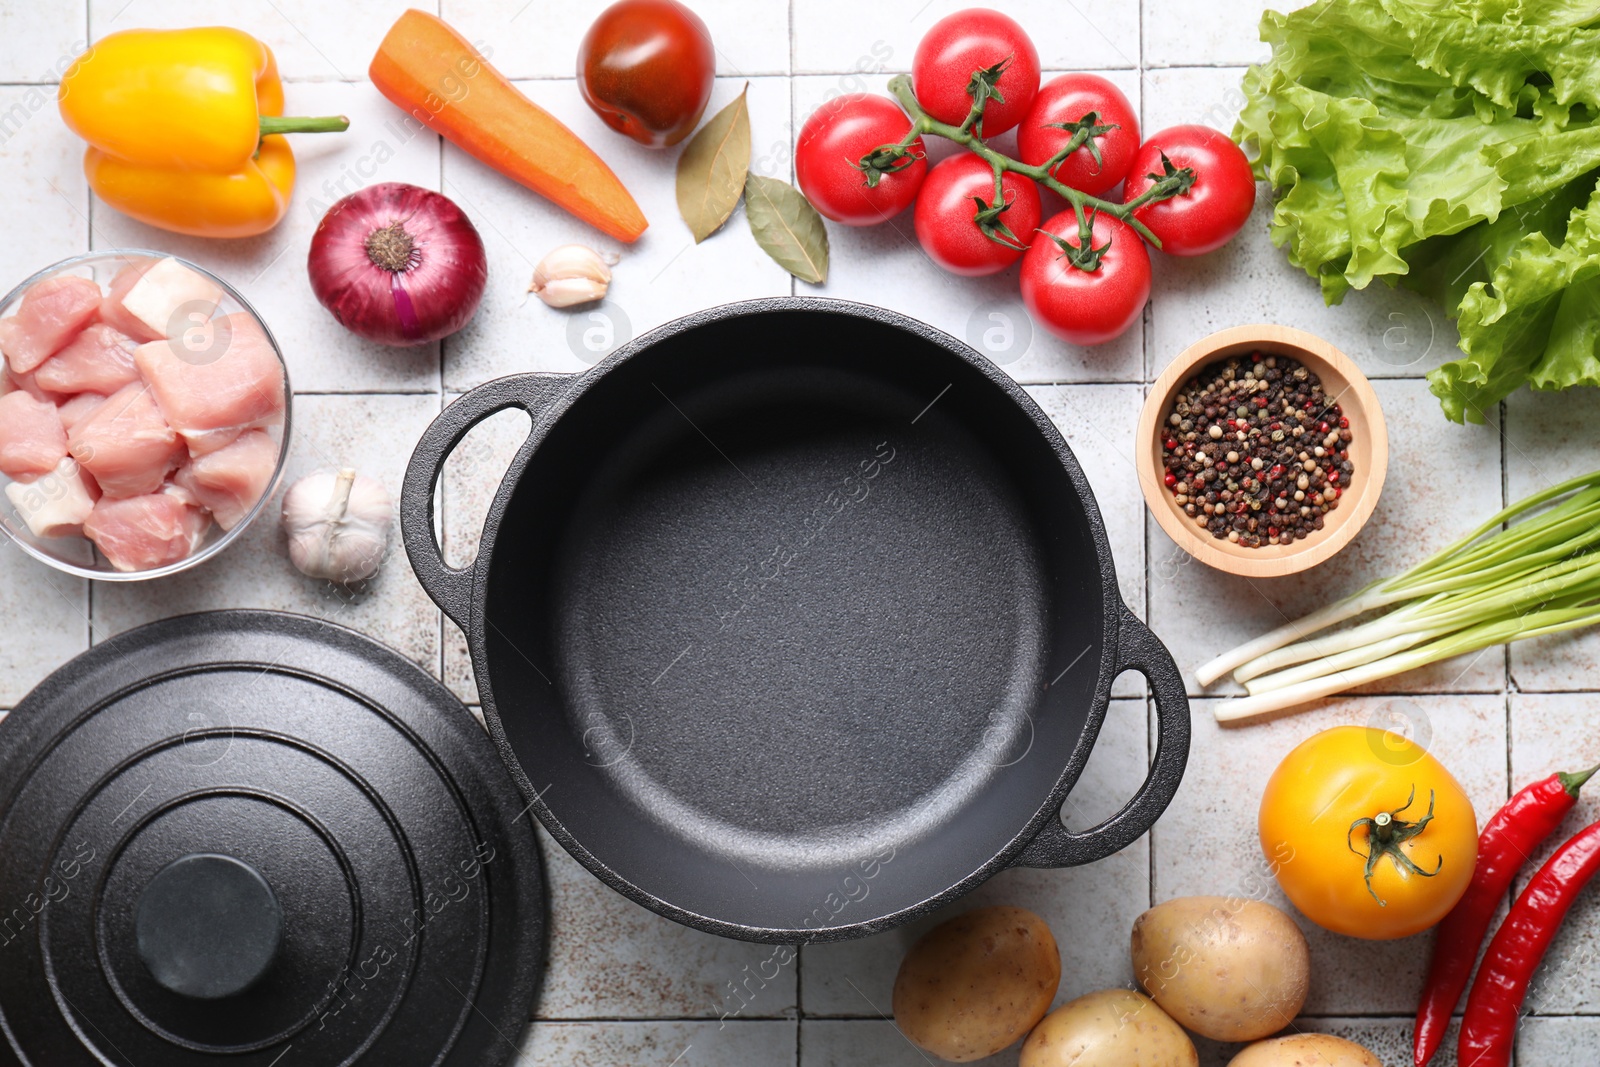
(572, 274)
(337, 522)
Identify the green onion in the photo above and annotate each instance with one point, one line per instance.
(1505, 581)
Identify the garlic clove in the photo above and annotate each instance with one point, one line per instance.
(568, 292)
(337, 524)
(572, 274)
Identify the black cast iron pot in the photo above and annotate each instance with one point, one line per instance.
(795, 619)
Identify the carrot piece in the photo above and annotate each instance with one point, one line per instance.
(432, 72)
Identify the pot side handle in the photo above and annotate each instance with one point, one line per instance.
(451, 587)
(1140, 650)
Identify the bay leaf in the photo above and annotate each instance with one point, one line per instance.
(712, 169)
(787, 227)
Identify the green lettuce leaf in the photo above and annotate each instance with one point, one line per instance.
(1444, 268)
(1537, 320)
(1451, 139)
(1377, 152)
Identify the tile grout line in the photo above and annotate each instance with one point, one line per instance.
(762, 1020)
(444, 525)
(515, 78)
(1505, 651)
(800, 950)
(794, 283)
(759, 1021)
(88, 590)
(443, 537)
(1147, 337)
(742, 1020)
(1137, 382)
(1139, 29)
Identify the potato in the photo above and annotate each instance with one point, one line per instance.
(1116, 1028)
(1306, 1050)
(1227, 968)
(971, 986)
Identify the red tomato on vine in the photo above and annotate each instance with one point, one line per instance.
(834, 140)
(957, 212)
(1214, 208)
(1098, 165)
(954, 52)
(1078, 304)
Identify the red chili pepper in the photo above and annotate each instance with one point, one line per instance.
(1508, 838)
(1497, 994)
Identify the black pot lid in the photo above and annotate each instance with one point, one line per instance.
(262, 839)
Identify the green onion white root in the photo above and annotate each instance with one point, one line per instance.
(1505, 581)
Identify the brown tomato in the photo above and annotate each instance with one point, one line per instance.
(645, 67)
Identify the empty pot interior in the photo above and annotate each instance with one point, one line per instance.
(783, 596)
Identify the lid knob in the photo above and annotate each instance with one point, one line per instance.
(208, 926)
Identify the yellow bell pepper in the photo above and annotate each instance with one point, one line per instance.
(184, 129)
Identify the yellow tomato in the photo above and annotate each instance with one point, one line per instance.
(1367, 833)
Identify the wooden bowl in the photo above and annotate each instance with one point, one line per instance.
(1368, 451)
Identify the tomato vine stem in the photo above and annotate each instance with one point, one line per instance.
(1163, 187)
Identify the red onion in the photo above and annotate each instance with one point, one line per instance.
(398, 264)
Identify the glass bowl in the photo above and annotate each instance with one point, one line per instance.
(76, 554)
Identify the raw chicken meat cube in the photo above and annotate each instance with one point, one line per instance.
(56, 504)
(11, 382)
(138, 533)
(32, 440)
(180, 491)
(229, 481)
(98, 360)
(171, 299)
(51, 313)
(126, 444)
(221, 375)
(114, 314)
(205, 442)
(74, 409)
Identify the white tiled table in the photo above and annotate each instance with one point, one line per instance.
(624, 986)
